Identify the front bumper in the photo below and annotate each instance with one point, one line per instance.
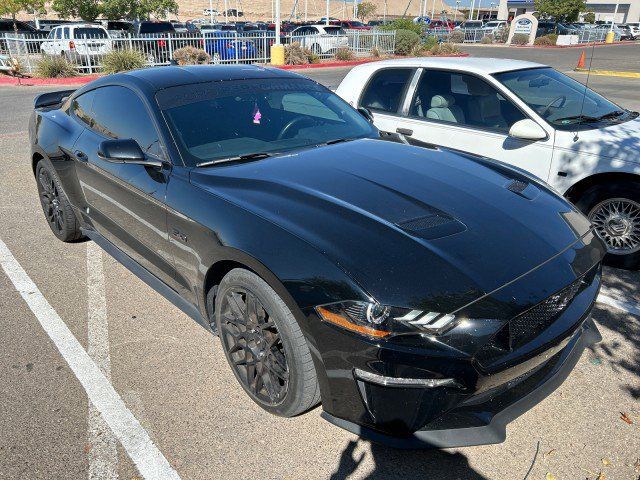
(489, 412)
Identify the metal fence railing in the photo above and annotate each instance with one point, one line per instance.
(159, 49)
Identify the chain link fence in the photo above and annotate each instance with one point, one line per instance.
(223, 47)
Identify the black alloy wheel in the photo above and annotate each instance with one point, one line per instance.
(253, 342)
(264, 345)
(55, 205)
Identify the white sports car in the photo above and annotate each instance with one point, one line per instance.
(524, 114)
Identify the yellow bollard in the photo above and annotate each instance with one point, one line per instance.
(277, 54)
(609, 38)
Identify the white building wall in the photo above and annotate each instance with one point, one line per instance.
(628, 10)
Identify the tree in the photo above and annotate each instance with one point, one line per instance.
(11, 8)
(366, 9)
(589, 17)
(560, 10)
(87, 10)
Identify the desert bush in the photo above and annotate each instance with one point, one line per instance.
(191, 56)
(446, 49)
(294, 54)
(486, 40)
(457, 36)
(403, 24)
(55, 67)
(542, 41)
(553, 37)
(520, 39)
(311, 57)
(344, 54)
(375, 52)
(122, 60)
(406, 42)
(429, 43)
(501, 35)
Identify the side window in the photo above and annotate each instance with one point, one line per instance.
(385, 90)
(82, 107)
(58, 33)
(464, 99)
(66, 33)
(119, 113)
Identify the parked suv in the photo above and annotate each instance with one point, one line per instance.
(154, 41)
(79, 42)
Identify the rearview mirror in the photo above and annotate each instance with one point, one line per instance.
(527, 129)
(366, 113)
(125, 150)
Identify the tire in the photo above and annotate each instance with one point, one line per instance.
(56, 207)
(266, 350)
(599, 203)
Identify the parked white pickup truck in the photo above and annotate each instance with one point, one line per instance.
(524, 114)
(78, 42)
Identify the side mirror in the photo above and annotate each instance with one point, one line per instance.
(125, 150)
(527, 129)
(366, 113)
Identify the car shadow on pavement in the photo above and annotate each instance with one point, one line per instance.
(392, 463)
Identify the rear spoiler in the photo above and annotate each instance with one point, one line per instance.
(52, 98)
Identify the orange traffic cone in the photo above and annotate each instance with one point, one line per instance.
(581, 61)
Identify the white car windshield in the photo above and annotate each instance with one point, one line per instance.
(561, 100)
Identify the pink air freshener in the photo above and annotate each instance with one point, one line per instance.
(256, 115)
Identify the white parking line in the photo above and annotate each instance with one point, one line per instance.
(145, 455)
(103, 454)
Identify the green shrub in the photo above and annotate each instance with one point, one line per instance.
(311, 57)
(486, 40)
(344, 54)
(429, 43)
(542, 41)
(55, 67)
(406, 42)
(457, 36)
(191, 56)
(520, 39)
(403, 24)
(122, 60)
(552, 37)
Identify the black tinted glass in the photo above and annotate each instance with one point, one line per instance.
(90, 33)
(384, 92)
(159, 27)
(226, 119)
(82, 107)
(119, 113)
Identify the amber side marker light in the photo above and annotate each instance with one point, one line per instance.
(341, 321)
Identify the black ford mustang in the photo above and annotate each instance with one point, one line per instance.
(425, 297)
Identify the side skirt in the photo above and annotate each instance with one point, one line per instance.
(150, 279)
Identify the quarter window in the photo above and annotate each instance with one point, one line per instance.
(385, 90)
(82, 107)
(119, 113)
(463, 99)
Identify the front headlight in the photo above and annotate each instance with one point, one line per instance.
(378, 321)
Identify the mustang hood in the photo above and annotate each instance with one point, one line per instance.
(414, 227)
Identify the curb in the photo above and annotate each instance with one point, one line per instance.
(609, 73)
(352, 63)
(34, 81)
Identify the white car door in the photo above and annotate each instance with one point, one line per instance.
(384, 94)
(48, 46)
(465, 112)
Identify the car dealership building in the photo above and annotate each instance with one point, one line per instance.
(628, 10)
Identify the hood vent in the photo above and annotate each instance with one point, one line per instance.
(435, 225)
(517, 186)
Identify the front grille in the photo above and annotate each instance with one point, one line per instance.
(527, 326)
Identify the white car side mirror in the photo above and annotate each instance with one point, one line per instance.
(527, 129)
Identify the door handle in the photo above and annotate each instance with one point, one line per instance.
(404, 131)
(81, 156)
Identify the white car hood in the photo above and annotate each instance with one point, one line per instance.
(620, 142)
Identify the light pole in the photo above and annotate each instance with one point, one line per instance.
(455, 14)
(491, 10)
(615, 14)
(277, 42)
(471, 7)
(326, 20)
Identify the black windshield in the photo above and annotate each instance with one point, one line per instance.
(235, 118)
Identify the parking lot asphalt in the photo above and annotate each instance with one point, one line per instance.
(173, 377)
